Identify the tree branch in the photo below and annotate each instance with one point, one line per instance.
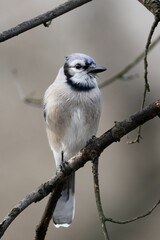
(146, 85)
(135, 218)
(98, 199)
(41, 19)
(91, 152)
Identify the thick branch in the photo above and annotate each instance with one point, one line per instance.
(90, 152)
(153, 6)
(41, 19)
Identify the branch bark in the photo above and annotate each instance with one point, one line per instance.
(90, 153)
(41, 19)
(98, 199)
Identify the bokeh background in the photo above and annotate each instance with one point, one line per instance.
(113, 33)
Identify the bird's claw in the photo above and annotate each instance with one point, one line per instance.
(91, 140)
(65, 168)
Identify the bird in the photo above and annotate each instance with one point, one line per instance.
(72, 108)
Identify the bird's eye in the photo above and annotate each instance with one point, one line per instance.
(78, 66)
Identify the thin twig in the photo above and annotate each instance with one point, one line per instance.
(146, 85)
(89, 153)
(42, 19)
(135, 218)
(29, 99)
(98, 199)
(37, 102)
(129, 66)
(154, 25)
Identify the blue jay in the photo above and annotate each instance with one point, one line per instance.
(72, 108)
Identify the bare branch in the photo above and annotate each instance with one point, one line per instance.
(147, 88)
(90, 153)
(42, 19)
(98, 199)
(146, 85)
(37, 102)
(136, 218)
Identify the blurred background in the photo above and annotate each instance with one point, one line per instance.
(113, 33)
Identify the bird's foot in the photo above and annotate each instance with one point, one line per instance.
(91, 140)
(65, 168)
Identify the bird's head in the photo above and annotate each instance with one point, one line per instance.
(80, 71)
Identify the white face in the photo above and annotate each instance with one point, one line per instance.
(79, 67)
(80, 71)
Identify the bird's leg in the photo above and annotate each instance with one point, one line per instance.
(64, 166)
(62, 157)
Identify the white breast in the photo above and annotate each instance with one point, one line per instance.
(83, 125)
(72, 118)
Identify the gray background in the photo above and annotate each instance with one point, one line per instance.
(113, 33)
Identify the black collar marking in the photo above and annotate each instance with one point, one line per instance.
(79, 87)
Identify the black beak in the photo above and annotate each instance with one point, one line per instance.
(96, 69)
